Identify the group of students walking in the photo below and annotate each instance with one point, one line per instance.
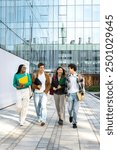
(62, 84)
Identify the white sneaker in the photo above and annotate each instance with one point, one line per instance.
(21, 124)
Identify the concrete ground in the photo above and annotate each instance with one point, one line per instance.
(32, 136)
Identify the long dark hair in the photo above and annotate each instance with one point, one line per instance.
(58, 69)
(19, 68)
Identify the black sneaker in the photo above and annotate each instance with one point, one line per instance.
(43, 123)
(70, 119)
(60, 122)
(74, 125)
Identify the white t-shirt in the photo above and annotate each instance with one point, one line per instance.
(42, 78)
(73, 85)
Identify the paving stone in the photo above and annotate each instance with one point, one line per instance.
(51, 136)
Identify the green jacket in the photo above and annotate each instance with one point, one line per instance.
(16, 80)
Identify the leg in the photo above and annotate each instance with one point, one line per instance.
(44, 107)
(57, 99)
(19, 103)
(62, 107)
(75, 111)
(70, 108)
(25, 104)
(37, 105)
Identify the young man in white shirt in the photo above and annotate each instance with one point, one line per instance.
(40, 92)
(73, 80)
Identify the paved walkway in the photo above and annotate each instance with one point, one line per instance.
(32, 136)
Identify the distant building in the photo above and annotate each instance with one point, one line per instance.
(86, 57)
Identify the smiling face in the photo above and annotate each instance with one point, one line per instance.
(60, 71)
(23, 69)
(41, 69)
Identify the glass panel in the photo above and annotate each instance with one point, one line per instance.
(51, 36)
(79, 24)
(62, 10)
(70, 13)
(71, 24)
(70, 35)
(96, 13)
(62, 32)
(62, 24)
(62, 18)
(87, 36)
(87, 1)
(87, 13)
(96, 1)
(2, 36)
(79, 13)
(55, 13)
(96, 35)
(10, 14)
(88, 24)
(42, 2)
(51, 2)
(51, 14)
(55, 35)
(62, 2)
(79, 35)
(96, 24)
(70, 2)
(79, 2)
(56, 2)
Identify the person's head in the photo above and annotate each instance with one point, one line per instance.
(60, 71)
(41, 67)
(72, 68)
(21, 69)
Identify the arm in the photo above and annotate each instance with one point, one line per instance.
(47, 86)
(29, 81)
(15, 81)
(34, 86)
(81, 83)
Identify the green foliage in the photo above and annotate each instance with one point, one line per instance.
(93, 89)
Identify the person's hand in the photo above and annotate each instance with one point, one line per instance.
(21, 85)
(54, 88)
(58, 87)
(38, 87)
(18, 87)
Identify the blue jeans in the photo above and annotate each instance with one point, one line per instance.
(73, 106)
(40, 101)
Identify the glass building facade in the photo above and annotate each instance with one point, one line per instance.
(55, 32)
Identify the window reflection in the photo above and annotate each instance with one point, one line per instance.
(87, 13)
(87, 2)
(62, 30)
(70, 2)
(79, 13)
(62, 2)
(96, 13)
(62, 10)
(70, 13)
(79, 2)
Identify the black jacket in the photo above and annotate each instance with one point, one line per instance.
(62, 83)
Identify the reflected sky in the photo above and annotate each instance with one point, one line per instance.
(79, 18)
